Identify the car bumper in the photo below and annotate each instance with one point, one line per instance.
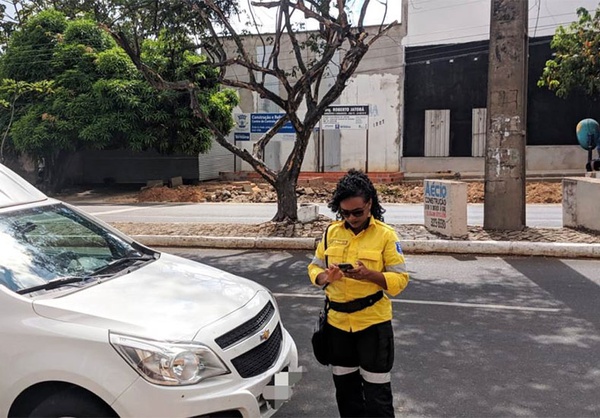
(259, 396)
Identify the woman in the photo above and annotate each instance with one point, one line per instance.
(359, 328)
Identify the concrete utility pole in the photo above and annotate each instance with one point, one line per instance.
(504, 207)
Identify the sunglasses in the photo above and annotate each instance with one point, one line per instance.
(357, 213)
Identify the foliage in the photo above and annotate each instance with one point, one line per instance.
(99, 99)
(576, 63)
(30, 50)
(141, 19)
(6, 25)
(11, 92)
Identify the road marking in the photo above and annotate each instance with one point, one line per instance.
(454, 304)
(478, 305)
(109, 212)
(130, 209)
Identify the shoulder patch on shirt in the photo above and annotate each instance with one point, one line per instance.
(399, 247)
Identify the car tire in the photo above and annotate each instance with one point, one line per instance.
(69, 402)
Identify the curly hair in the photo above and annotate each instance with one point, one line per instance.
(356, 184)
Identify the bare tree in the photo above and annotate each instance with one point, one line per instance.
(301, 100)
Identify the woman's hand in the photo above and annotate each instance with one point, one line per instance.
(330, 275)
(361, 272)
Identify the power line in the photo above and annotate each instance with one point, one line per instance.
(487, 26)
(31, 53)
(538, 16)
(449, 6)
(481, 51)
(28, 57)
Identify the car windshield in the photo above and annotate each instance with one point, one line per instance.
(51, 243)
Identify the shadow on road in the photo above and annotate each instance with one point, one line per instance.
(460, 361)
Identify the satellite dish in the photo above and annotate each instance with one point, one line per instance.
(588, 134)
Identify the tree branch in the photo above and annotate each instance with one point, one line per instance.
(382, 32)
(299, 5)
(363, 13)
(259, 148)
(294, 41)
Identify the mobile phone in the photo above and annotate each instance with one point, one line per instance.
(345, 266)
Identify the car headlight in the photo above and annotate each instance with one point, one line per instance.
(166, 363)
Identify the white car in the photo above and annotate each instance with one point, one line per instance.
(94, 324)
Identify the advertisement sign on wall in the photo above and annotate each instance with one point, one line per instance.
(259, 123)
(346, 117)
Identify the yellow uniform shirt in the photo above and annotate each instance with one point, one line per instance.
(378, 248)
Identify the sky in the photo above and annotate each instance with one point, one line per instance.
(456, 21)
(375, 13)
(451, 21)
(376, 10)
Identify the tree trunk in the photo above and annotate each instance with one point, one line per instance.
(287, 201)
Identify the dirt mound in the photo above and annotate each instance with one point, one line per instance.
(544, 193)
(249, 192)
(177, 194)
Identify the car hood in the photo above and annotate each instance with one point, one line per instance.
(171, 299)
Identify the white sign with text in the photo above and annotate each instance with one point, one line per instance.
(445, 207)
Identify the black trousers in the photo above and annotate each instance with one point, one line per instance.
(361, 363)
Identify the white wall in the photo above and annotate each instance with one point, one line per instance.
(561, 159)
(382, 92)
(378, 82)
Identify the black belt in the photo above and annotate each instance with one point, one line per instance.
(356, 304)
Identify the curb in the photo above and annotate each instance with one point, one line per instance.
(262, 243)
(545, 249)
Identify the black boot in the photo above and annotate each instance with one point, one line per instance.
(378, 399)
(349, 394)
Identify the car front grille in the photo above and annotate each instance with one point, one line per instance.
(248, 328)
(261, 357)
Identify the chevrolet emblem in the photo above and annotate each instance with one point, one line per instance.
(265, 335)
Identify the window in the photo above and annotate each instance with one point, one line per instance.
(479, 132)
(437, 133)
(51, 242)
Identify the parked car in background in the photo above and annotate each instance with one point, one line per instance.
(93, 323)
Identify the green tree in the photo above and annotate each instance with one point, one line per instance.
(142, 19)
(11, 92)
(99, 99)
(576, 63)
(301, 98)
(6, 26)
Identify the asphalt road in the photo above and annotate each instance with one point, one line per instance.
(475, 336)
(549, 215)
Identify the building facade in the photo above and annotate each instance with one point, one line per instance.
(445, 112)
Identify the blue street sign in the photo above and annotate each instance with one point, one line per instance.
(260, 123)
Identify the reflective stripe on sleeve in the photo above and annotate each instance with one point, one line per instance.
(318, 262)
(340, 371)
(377, 378)
(396, 268)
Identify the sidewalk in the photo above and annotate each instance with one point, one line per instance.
(547, 249)
(415, 239)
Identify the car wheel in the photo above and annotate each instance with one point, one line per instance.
(71, 402)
